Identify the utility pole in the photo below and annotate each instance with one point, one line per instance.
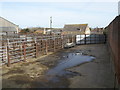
(51, 22)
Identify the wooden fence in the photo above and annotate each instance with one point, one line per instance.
(22, 48)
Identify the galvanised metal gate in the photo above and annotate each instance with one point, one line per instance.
(91, 39)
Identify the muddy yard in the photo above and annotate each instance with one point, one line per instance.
(83, 66)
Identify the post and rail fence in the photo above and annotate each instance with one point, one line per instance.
(20, 49)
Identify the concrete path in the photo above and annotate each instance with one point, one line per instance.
(96, 74)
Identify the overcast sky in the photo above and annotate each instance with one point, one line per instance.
(37, 14)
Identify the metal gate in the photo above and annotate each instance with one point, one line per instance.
(90, 39)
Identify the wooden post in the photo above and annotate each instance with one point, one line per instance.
(21, 51)
(46, 47)
(90, 38)
(71, 38)
(95, 38)
(54, 44)
(61, 42)
(36, 45)
(24, 51)
(73, 41)
(8, 56)
(85, 38)
(80, 39)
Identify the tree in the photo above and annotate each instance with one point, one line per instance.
(27, 30)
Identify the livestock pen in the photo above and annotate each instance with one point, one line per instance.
(23, 47)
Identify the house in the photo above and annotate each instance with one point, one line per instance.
(43, 31)
(97, 31)
(76, 29)
(8, 27)
(57, 31)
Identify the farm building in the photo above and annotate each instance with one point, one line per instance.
(56, 31)
(97, 31)
(49, 31)
(76, 29)
(8, 27)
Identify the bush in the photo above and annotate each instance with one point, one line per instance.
(25, 30)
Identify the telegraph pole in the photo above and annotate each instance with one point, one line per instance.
(51, 22)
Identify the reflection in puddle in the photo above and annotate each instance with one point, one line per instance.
(71, 60)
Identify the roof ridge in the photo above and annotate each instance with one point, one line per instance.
(8, 21)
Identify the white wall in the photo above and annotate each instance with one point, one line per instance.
(87, 31)
(5, 23)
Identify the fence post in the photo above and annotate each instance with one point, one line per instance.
(75, 39)
(36, 45)
(95, 40)
(90, 38)
(61, 41)
(21, 50)
(85, 38)
(54, 43)
(46, 46)
(8, 56)
(24, 51)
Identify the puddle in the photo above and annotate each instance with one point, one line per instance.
(70, 60)
(57, 76)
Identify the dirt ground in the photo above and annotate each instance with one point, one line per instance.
(30, 74)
